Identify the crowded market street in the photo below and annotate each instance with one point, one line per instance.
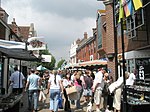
(44, 107)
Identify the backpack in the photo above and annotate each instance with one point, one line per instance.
(88, 82)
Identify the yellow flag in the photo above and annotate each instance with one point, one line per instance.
(137, 4)
(120, 11)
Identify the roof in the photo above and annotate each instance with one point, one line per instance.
(102, 12)
(85, 42)
(19, 54)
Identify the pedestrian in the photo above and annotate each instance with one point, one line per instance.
(97, 87)
(87, 86)
(78, 84)
(130, 81)
(17, 81)
(73, 79)
(45, 79)
(55, 88)
(67, 83)
(117, 92)
(106, 90)
(32, 85)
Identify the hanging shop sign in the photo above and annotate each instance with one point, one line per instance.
(36, 43)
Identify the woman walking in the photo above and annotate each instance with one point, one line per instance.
(78, 84)
(55, 88)
(67, 83)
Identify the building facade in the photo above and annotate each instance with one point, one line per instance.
(86, 50)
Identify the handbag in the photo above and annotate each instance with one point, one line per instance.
(71, 90)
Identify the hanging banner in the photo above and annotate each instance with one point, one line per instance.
(137, 4)
(36, 43)
(128, 7)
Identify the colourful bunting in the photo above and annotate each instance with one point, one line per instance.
(120, 11)
(128, 7)
(137, 4)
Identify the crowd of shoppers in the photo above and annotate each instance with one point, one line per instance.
(93, 86)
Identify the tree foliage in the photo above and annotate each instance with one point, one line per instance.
(48, 65)
(60, 63)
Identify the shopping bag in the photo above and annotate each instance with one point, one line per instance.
(71, 90)
(60, 102)
(74, 96)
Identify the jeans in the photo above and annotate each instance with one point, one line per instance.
(77, 102)
(33, 99)
(54, 96)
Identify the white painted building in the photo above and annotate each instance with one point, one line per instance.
(73, 53)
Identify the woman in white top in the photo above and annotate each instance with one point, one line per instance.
(55, 87)
(67, 83)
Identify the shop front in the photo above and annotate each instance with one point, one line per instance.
(11, 57)
(138, 95)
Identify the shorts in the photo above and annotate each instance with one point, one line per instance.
(97, 96)
(87, 92)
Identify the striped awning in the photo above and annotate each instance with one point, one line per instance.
(92, 63)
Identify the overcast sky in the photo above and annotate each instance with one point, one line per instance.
(60, 21)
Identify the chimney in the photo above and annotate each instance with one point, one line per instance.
(85, 35)
(78, 41)
(14, 22)
(94, 31)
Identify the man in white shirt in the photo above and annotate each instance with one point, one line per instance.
(17, 80)
(131, 79)
(98, 87)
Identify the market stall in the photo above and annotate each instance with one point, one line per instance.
(11, 102)
(138, 96)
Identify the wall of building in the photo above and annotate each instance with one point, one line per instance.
(110, 36)
(102, 29)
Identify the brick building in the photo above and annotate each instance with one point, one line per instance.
(86, 50)
(136, 38)
(101, 34)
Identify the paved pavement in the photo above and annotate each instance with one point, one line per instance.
(44, 107)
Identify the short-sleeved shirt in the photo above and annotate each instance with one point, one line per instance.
(99, 80)
(33, 80)
(66, 82)
(14, 78)
(52, 83)
(131, 79)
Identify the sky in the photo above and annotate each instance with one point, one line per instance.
(60, 22)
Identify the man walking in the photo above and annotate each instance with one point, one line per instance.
(98, 87)
(33, 84)
(16, 79)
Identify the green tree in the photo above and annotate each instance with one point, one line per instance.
(49, 65)
(60, 63)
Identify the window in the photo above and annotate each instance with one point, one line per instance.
(99, 32)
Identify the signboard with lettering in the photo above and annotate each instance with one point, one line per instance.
(143, 66)
(36, 43)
